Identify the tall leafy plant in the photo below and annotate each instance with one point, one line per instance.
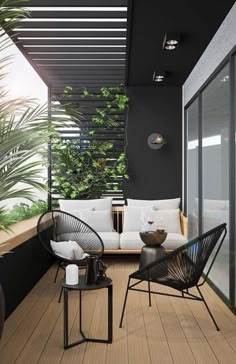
(24, 126)
(85, 167)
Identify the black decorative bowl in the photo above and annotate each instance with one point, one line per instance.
(152, 238)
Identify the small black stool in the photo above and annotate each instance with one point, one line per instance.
(104, 282)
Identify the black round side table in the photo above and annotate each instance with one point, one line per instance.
(151, 253)
(148, 255)
(104, 282)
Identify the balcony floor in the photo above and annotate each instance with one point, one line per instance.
(171, 331)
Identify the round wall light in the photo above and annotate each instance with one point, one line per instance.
(156, 141)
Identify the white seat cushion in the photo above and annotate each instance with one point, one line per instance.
(111, 240)
(132, 241)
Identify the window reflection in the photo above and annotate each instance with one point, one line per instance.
(215, 167)
(192, 168)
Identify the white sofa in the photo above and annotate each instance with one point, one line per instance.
(126, 221)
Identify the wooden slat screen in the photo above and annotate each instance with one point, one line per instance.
(80, 43)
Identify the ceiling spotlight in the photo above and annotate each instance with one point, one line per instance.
(159, 76)
(171, 41)
(170, 47)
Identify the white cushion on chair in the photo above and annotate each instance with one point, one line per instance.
(98, 220)
(169, 219)
(97, 204)
(76, 213)
(67, 249)
(169, 204)
(133, 217)
(111, 240)
(132, 241)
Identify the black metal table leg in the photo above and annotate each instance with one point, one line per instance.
(80, 316)
(110, 313)
(149, 293)
(65, 318)
(84, 338)
(124, 304)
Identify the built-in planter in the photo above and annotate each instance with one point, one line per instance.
(24, 266)
(2, 310)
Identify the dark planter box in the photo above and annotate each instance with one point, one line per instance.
(21, 269)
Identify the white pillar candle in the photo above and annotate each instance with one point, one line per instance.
(72, 274)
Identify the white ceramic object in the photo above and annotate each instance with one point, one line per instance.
(72, 274)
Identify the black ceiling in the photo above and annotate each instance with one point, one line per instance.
(197, 21)
(110, 62)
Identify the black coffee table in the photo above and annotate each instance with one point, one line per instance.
(104, 282)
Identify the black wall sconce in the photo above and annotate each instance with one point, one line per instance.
(156, 141)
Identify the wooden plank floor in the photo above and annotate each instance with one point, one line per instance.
(171, 331)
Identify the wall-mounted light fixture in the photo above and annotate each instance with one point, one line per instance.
(159, 76)
(171, 41)
(156, 141)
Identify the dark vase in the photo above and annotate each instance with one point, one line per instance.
(2, 310)
(91, 271)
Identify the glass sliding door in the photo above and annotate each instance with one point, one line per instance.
(215, 168)
(192, 169)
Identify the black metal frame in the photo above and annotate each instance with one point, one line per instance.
(231, 59)
(84, 338)
(189, 296)
(184, 291)
(63, 262)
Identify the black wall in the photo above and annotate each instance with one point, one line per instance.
(21, 269)
(154, 174)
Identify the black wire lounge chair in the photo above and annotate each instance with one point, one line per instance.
(61, 226)
(182, 269)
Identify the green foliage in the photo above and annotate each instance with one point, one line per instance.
(86, 173)
(23, 211)
(3, 220)
(113, 98)
(85, 168)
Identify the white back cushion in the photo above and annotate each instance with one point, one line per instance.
(134, 217)
(97, 204)
(76, 213)
(100, 221)
(169, 204)
(168, 219)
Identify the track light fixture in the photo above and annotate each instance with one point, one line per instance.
(171, 41)
(159, 76)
